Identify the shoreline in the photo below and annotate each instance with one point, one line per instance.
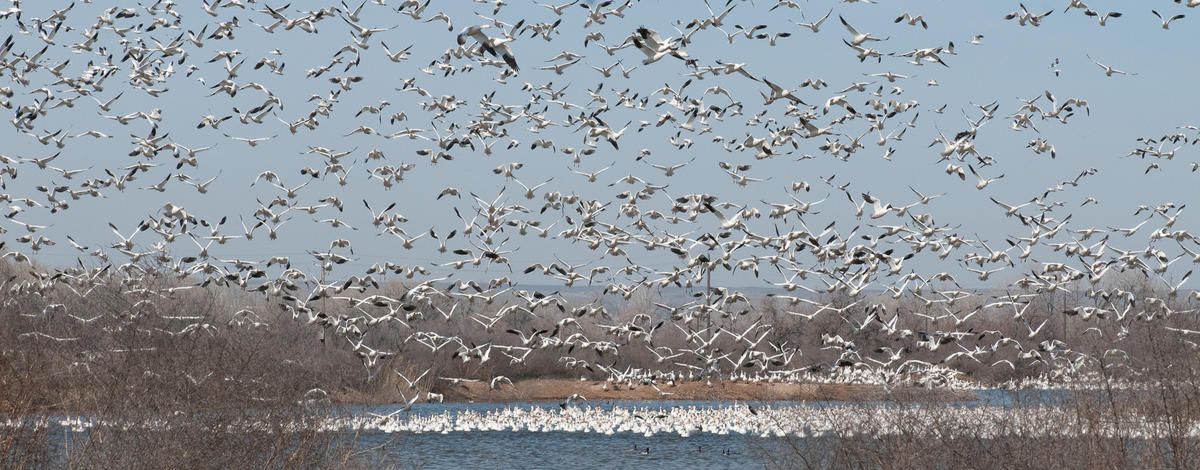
(558, 390)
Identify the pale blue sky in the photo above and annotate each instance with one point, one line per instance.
(1012, 62)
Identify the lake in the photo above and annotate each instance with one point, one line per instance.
(658, 434)
(565, 449)
(523, 449)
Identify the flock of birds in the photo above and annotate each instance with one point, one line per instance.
(79, 78)
(762, 421)
(744, 419)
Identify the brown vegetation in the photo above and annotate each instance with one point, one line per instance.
(200, 361)
(190, 396)
(560, 389)
(1097, 431)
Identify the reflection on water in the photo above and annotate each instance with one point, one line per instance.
(506, 449)
(531, 449)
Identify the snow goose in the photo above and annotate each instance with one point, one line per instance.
(557, 9)
(858, 38)
(1109, 71)
(982, 183)
(1023, 16)
(669, 170)
(1102, 18)
(877, 207)
(913, 20)
(1166, 22)
(1010, 210)
(777, 92)
(496, 47)
(655, 48)
(558, 68)
(816, 25)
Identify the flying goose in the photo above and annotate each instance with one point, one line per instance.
(816, 25)
(591, 177)
(914, 20)
(494, 46)
(253, 142)
(1102, 18)
(1109, 71)
(1166, 22)
(655, 48)
(1023, 16)
(558, 68)
(877, 207)
(858, 38)
(982, 183)
(777, 93)
(669, 170)
(557, 9)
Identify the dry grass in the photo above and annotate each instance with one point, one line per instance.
(560, 389)
(1096, 431)
(182, 399)
(188, 362)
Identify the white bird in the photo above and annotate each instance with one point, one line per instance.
(982, 183)
(529, 191)
(914, 20)
(777, 92)
(591, 177)
(253, 142)
(816, 25)
(877, 207)
(557, 9)
(1102, 18)
(412, 384)
(858, 38)
(1166, 22)
(669, 170)
(203, 187)
(891, 77)
(1023, 16)
(607, 71)
(655, 48)
(1034, 331)
(558, 68)
(497, 380)
(1010, 210)
(398, 55)
(1109, 71)
(838, 100)
(494, 46)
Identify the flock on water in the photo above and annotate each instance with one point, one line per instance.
(589, 181)
(803, 421)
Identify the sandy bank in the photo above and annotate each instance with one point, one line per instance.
(560, 389)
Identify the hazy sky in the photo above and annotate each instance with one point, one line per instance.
(1012, 62)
